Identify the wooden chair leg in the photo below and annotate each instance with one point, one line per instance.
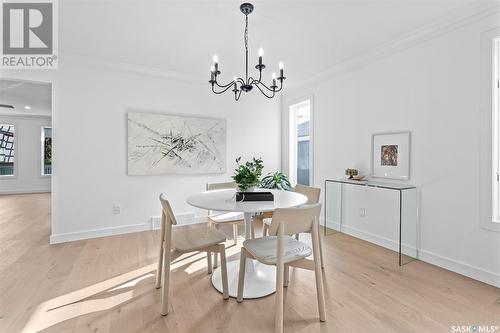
(278, 320)
(235, 234)
(318, 273)
(241, 275)
(252, 231)
(160, 255)
(209, 262)
(216, 260)
(320, 249)
(225, 288)
(287, 276)
(166, 282)
(265, 229)
(216, 255)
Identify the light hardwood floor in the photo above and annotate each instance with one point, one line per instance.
(107, 285)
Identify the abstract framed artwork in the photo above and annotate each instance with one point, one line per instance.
(171, 144)
(391, 155)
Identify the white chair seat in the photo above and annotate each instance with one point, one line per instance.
(264, 249)
(226, 217)
(192, 239)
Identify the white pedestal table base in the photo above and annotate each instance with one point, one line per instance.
(260, 279)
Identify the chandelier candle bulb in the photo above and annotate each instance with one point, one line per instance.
(212, 70)
(261, 53)
(281, 66)
(216, 65)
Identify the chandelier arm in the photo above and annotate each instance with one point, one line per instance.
(240, 80)
(261, 83)
(220, 92)
(263, 93)
(224, 85)
(255, 81)
(281, 86)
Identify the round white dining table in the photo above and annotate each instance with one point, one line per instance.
(260, 279)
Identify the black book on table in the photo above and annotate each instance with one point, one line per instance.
(254, 196)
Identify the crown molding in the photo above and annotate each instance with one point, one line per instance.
(464, 16)
(127, 67)
(457, 19)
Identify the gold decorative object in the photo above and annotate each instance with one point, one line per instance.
(351, 173)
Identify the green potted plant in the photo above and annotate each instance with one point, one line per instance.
(277, 180)
(247, 175)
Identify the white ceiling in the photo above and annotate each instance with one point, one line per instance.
(36, 95)
(182, 36)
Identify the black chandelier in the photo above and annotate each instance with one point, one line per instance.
(247, 83)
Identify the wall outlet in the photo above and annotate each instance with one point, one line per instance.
(116, 209)
(362, 212)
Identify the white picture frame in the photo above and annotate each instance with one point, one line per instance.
(390, 155)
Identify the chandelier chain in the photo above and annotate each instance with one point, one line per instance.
(246, 32)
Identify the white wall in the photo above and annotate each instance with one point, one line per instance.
(433, 90)
(28, 178)
(90, 145)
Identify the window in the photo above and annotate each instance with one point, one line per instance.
(496, 132)
(7, 146)
(300, 153)
(46, 151)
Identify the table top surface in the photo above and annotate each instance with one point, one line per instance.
(225, 200)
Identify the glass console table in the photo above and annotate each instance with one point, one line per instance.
(334, 189)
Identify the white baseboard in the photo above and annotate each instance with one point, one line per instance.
(462, 268)
(96, 233)
(153, 224)
(156, 220)
(367, 236)
(26, 191)
(456, 266)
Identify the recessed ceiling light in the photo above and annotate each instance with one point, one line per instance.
(27, 107)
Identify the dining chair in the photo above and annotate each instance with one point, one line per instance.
(215, 218)
(312, 194)
(283, 251)
(175, 242)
